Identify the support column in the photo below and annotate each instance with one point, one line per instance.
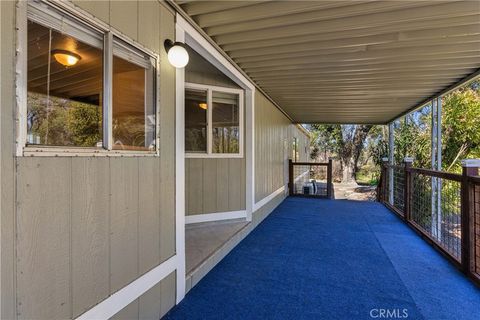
(384, 190)
(391, 152)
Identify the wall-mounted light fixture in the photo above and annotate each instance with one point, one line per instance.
(65, 57)
(177, 54)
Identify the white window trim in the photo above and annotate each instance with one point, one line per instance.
(79, 17)
(209, 89)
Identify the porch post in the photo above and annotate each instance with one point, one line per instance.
(391, 151)
(290, 177)
(384, 181)
(469, 168)
(329, 179)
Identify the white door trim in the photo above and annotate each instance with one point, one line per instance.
(180, 171)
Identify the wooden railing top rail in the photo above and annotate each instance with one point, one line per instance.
(395, 166)
(437, 174)
(474, 179)
(310, 163)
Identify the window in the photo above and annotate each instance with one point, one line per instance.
(133, 112)
(225, 123)
(82, 95)
(295, 154)
(64, 105)
(213, 121)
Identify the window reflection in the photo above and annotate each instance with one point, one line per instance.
(196, 120)
(133, 115)
(225, 122)
(63, 98)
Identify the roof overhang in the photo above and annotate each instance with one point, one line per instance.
(346, 61)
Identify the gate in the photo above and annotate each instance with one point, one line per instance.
(310, 179)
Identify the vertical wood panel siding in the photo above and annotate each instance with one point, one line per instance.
(271, 135)
(7, 163)
(88, 226)
(167, 139)
(90, 220)
(43, 235)
(213, 185)
(273, 147)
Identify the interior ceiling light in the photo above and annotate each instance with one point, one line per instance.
(177, 54)
(65, 57)
(203, 105)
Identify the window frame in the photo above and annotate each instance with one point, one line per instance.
(209, 89)
(51, 15)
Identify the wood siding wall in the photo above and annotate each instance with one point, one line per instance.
(85, 227)
(274, 135)
(213, 185)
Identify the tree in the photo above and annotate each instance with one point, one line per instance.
(461, 126)
(346, 141)
(460, 131)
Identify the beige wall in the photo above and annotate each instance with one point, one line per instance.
(273, 147)
(85, 226)
(213, 185)
(75, 230)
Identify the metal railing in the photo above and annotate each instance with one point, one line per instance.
(474, 199)
(310, 179)
(444, 208)
(398, 188)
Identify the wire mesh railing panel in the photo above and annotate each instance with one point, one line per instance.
(399, 188)
(475, 223)
(310, 180)
(436, 210)
(385, 191)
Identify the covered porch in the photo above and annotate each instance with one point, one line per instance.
(351, 260)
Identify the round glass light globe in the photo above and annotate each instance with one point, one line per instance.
(178, 56)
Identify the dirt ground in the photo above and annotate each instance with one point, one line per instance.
(354, 192)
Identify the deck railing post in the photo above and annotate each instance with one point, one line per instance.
(384, 181)
(329, 179)
(469, 168)
(408, 161)
(290, 177)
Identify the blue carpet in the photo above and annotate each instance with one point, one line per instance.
(332, 259)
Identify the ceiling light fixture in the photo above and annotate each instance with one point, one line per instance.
(65, 57)
(177, 54)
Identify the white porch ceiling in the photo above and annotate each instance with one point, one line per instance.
(346, 61)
